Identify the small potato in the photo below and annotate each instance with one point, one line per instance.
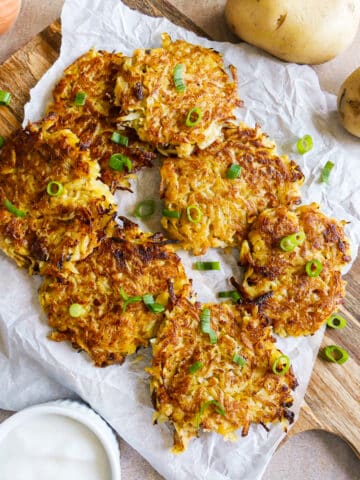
(348, 103)
(308, 31)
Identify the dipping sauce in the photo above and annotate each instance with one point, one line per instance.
(52, 447)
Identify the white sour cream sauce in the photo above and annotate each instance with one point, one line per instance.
(52, 447)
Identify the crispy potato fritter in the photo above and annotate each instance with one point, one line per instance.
(295, 303)
(227, 206)
(197, 384)
(128, 263)
(150, 103)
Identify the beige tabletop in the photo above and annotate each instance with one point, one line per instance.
(312, 455)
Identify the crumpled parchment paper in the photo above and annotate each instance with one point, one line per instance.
(286, 100)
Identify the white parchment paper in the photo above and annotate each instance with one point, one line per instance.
(288, 103)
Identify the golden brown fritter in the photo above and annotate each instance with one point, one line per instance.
(127, 262)
(48, 230)
(95, 73)
(150, 103)
(227, 206)
(296, 304)
(220, 395)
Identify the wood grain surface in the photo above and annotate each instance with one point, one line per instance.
(332, 400)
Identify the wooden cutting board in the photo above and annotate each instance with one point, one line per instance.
(332, 402)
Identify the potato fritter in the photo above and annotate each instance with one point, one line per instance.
(44, 224)
(128, 263)
(95, 73)
(150, 103)
(227, 206)
(198, 384)
(295, 303)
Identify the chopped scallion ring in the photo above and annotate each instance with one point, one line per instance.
(336, 354)
(12, 209)
(233, 294)
(207, 265)
(171, 213)
(194, 214)
(80, 99)
(5, 97)
(195, 367)
(239, 360)
(205, 325)
(148, 299)
(178, 78)
(325, 174)
(145, 208)
(156, 307)
(336, 321)
(119, 139)
(233, 171)
(305, 144)
(2, 141)
(281, 365)
(76, 310)
(193, 117)
(218, 409)
(54, 189)
(289, 243)
(118, 162)
(313, 268)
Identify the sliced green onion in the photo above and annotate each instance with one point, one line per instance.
(283, 362)
(171, 213)
(116, 137)
(118, 162)
(239, 360)
(325, 174)
(2, 141)
(336, 321)
(54, 189)
(5, 97)
(193, 117)
(313, 268)
(128, 299)
(124, 296)
(289, 243)
(148, 299)
(80, 99)
(336, 354)
(233, 171)
(233, 294)
(12, 209)
(145, 208)
(305, 144)
(207, 265)
(191, 209)
(178, 78)
(156, 307)
(76, 310)
(205, 325)
(195, 367)
(218, 409)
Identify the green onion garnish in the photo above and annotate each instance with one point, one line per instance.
(283, 362)
(325, 174)
(194, 214)
(2, 141)
(156, 307)
(239, 360)
(233, 294)
(76, 310)
(218, 409)
(118, 162)
(12, 209)
(233, 171)
(336, 321)
(178, 78)
(116, 137)
(304, 144)
(195, 367)
(148, 299)
(5, 97)
(128, 299)
(193, 117)
(292, 241)
(205, 325)
(336, 354)
(80, 99)
(171, 213)
(207, 265)
(313, 268)
(54, 189)
(145, 208)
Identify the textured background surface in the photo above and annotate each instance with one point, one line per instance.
(308, 456)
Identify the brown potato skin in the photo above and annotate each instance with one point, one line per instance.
(348, 103)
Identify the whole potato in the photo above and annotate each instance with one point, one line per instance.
(348, 103)
(308, 31)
